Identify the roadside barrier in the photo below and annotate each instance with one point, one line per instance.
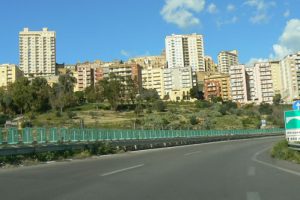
(27, 136)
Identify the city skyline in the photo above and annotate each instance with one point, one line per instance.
(87, 31)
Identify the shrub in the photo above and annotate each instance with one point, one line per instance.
(71, 114)
(193, 120)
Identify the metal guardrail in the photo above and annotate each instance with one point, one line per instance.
(28, 136)
(294, 146)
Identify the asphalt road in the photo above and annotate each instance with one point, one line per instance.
(233, 170)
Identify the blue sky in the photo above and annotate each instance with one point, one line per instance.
(118, 29)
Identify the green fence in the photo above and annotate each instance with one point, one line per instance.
(64, 135)
(1, 137)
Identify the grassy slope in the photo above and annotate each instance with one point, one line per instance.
(177, 116)
(282, 152)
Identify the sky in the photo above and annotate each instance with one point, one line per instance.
(88, 30)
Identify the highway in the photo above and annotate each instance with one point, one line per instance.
(231, 170)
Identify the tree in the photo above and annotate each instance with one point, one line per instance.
(149, 95)
(113, 90)
(79, 95)
(265, 108)
(196, 93)
(160, 106)
(41, 94)
(21, 94)
(62, 95)
(277, 99)
(132, 89)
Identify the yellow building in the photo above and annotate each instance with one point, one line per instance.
(276, 76)
(9, 74)
(154, 79)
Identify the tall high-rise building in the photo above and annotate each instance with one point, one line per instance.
(9, 74)
(185, 51)
(276, 76)
(226, 59)
(238, 85)
(263, 82)
(290, 70)
(37, 52)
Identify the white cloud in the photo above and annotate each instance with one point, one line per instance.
(125, 53)
(261, 7)
(230, 7)
(286, 13)
(232, 20)
(289, 41)
(181, 12)
(212, 8)
(255, 60)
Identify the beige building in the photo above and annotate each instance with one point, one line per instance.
(210, 65)
(226, 59)
(185, 51)
(276, 76)
(217, 85)
(153, 78)
(37, 52)
(150, 62)
(9, 73)
(290, 70)
(238, 85)
(84, 76)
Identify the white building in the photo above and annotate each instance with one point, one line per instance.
(226, 59)
(185, 51)
(37, 52)
(290, 70)
(263, 82)
(238, 83)
(179, 80)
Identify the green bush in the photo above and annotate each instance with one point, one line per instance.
(281, 151)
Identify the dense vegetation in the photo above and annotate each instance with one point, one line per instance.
(117, 103)
(281, 151)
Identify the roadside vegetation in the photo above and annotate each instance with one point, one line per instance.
(95, 149)
(282, 152)
(115, 103)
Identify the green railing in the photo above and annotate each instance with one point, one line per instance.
(64, 135)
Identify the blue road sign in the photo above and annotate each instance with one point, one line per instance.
(296, 105)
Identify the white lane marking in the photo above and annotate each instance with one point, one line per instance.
(254, 158)
(194, 152)
(122, 170)
(251, 171)
(253, 196)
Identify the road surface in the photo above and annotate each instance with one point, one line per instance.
(233, 170)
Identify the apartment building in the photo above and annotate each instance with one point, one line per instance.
(150, 62)
(276, 76)
(178, 82)
(226, 59)
(210, 65)
(238, 85)
(84, 75)
(217, 85)
(185, 51)
(37, 52)
(263, 82)
(153, 78)
(9, 73)
(290, 70)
